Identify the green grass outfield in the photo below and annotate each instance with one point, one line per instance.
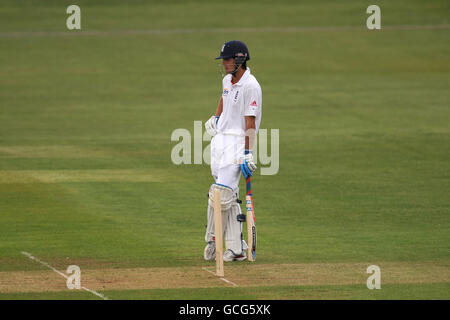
(86, 176)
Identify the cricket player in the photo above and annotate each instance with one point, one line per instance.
(233, 129)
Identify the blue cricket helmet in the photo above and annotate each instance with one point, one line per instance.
(233, 49)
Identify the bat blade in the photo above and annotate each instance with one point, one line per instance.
(251, 229)
(218, 233)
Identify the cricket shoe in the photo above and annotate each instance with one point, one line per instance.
(210, 251)
(229, 255)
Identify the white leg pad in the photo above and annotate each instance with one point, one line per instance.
(226, 199)
(233, 231)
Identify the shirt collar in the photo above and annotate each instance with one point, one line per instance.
(242, 79)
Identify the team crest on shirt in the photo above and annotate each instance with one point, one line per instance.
(253, 104)
(236, 96)
(225, 92)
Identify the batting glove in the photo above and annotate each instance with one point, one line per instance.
(247, 164)
(211, 125)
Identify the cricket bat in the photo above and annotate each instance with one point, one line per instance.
(251, 226)
(218, 233)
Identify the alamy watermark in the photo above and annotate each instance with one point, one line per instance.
(74, 278)
(374, 281)
(374, 20)
(74, 20)
(190, 149)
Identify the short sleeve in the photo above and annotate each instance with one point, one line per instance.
(253, 102)
(225, 81)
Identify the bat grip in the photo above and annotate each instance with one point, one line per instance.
(248, 186)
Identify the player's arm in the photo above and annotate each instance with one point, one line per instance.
(247, 164)
(211, 124)
(219, 108)
(250, 128)
(251, 109)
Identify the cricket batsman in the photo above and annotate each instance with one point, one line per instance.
(233, 129)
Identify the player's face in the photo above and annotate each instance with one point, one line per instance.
(228, 64)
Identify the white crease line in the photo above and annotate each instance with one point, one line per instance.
(96, 293)
(227, 281)
(62, 274)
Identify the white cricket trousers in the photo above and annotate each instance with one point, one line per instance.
(226, 152)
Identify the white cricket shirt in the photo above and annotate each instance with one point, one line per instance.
(241, 99)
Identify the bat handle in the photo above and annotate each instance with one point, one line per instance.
(248, 186)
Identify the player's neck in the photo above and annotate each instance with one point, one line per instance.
(237, 76)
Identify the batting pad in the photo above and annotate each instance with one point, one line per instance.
(226, 199)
